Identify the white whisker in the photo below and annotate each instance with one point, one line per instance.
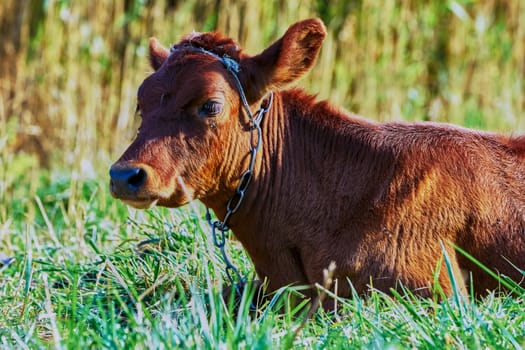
(185, 189)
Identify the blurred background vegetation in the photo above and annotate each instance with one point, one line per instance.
(69, 69)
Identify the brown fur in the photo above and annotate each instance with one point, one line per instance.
(379, 199)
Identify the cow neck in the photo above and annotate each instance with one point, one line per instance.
(297, 139)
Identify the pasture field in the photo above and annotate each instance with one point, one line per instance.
(88, 273)
(80, 270)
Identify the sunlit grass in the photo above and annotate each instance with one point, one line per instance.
(114, 278)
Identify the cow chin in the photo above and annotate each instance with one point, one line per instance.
(163, 199)
(171, 202)
(141, 204)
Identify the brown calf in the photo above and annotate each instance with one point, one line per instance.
(380, 200)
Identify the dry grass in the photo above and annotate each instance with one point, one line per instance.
(70, 70)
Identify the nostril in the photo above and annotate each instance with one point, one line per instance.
(137, 180)
(125, 179)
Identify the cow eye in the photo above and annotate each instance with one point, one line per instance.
(138, 111)
(211, 108)
(164, 98)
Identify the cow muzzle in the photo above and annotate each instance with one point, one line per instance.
(128, 184)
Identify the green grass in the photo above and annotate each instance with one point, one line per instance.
(93, 274)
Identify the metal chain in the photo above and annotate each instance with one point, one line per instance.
(219, 228)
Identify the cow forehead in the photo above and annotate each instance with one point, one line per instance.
(212, 42)
(194, 76)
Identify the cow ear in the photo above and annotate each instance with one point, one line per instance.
(157, 53)
(285, 61)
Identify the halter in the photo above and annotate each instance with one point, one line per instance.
(234, 68)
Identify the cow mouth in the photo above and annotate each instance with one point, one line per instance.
(174, 200)
(135, 200)
(148, 198)
(140, 203)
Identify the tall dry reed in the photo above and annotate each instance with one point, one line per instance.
(69, 69)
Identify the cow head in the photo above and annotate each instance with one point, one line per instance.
(192, 142)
